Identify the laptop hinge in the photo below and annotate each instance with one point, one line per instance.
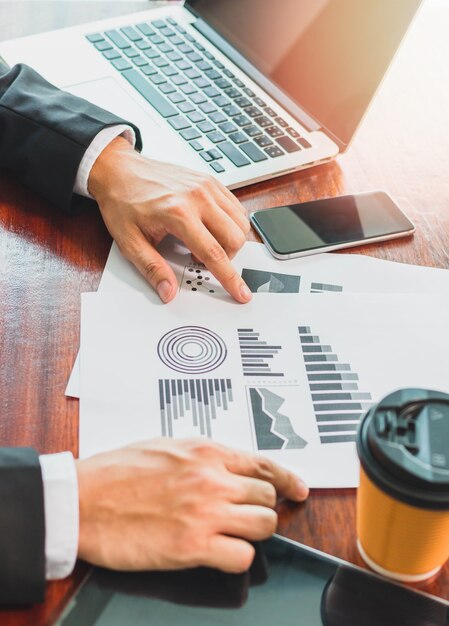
(275, 92)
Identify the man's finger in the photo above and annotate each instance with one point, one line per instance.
(225, 230)
(285, 482)
(229, 554)
(237, 214)
(207, 249)
(250, 522)
(154, 268)
(248, 490)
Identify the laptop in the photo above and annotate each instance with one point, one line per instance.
(245, 90)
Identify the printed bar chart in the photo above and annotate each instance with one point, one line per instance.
(322, 288)
(256, 354)
(200, 399)
(337, 402)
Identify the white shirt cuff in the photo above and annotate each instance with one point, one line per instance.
(92, 153)
(61, 513)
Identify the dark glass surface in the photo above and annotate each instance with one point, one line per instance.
(286, 586)
(332, 221)
(329, 56)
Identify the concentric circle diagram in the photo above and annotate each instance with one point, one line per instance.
(192, 350)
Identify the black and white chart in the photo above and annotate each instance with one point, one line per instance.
(270, 282)
(192, 405)
(258, 356)
(192, 350)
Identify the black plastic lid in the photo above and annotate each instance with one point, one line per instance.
(403, 445)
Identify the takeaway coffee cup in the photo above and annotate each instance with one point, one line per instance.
(403, 498)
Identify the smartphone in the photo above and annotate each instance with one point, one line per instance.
(331, 224)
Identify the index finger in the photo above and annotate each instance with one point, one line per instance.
(285, 482)
(207, 249)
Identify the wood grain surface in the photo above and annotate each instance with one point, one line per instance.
(47, 259)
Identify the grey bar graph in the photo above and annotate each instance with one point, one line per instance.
(338, 405)
(320, 287)
(201, 400)
(256, 353)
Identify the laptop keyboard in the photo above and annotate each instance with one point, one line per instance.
(210, 108)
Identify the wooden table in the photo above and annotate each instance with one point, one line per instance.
(47, 259)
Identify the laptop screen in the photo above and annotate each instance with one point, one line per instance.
(328, 56)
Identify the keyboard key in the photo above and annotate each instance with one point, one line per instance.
(206, 127)
(183, 66)
(151, 53)
(263, 121)
(179, 122)
(197, 97)
(201, 82)
(216, 137)
(206, 156)
(288, 144)
(213, 74)
(211, 92)
(194, 57)
(176, 97)
(294, 133)
(263, 141)
(242, 121)
(176, 41)
(218, 64)
(95, 37)
(189, 134)
(274, 131)
(222, 83)
(148, 70)
(151, 95)
(217, 117)
(180, 29)
(186, 107)
(253, 152)
(196, 117)
(249, 92)
(188, 89)
(209, 55)
(179, 79)
(157, 79)
(192, 72)
(196, 145)
(111, 54)
(199, 46)
(203, 66)
(270, 112)
(253, 131)
(228, 73)
(253, 112)
(169, 71)
(145, 29)
(185, 48)
(227, 127)
(165, 48)
(160, 62)
(218, 167)
(140, 61)
(143, 45)
(156, 39)
(207, 107)
(172, 21)
(189, 37)
(231, 110)
(238, 137)
(232, 92)
(131, 53)
(281, 122)
(174, 56)
(274, 151)
(242, 102)
(221, 101)
(117, 39)
(167, 88)
(260, 102)
(304, 143)
(158, 23)
(233, 154)
(215, 154)
(103, 45)
(167, 31)
(122, 64)
(131, 33)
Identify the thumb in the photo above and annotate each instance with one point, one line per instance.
(155, 269)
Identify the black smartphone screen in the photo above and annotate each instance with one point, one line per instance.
(330, 222)
(286, 586)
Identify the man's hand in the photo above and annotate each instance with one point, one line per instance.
(142, 201)
(169, 504)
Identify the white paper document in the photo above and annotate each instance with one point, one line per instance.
(287, 378)
(325, 273)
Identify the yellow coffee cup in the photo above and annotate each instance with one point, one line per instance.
(403, 498)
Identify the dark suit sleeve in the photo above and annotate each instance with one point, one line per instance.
(22, 527)
(44, 133)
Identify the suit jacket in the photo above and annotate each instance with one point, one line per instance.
(44, 134)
